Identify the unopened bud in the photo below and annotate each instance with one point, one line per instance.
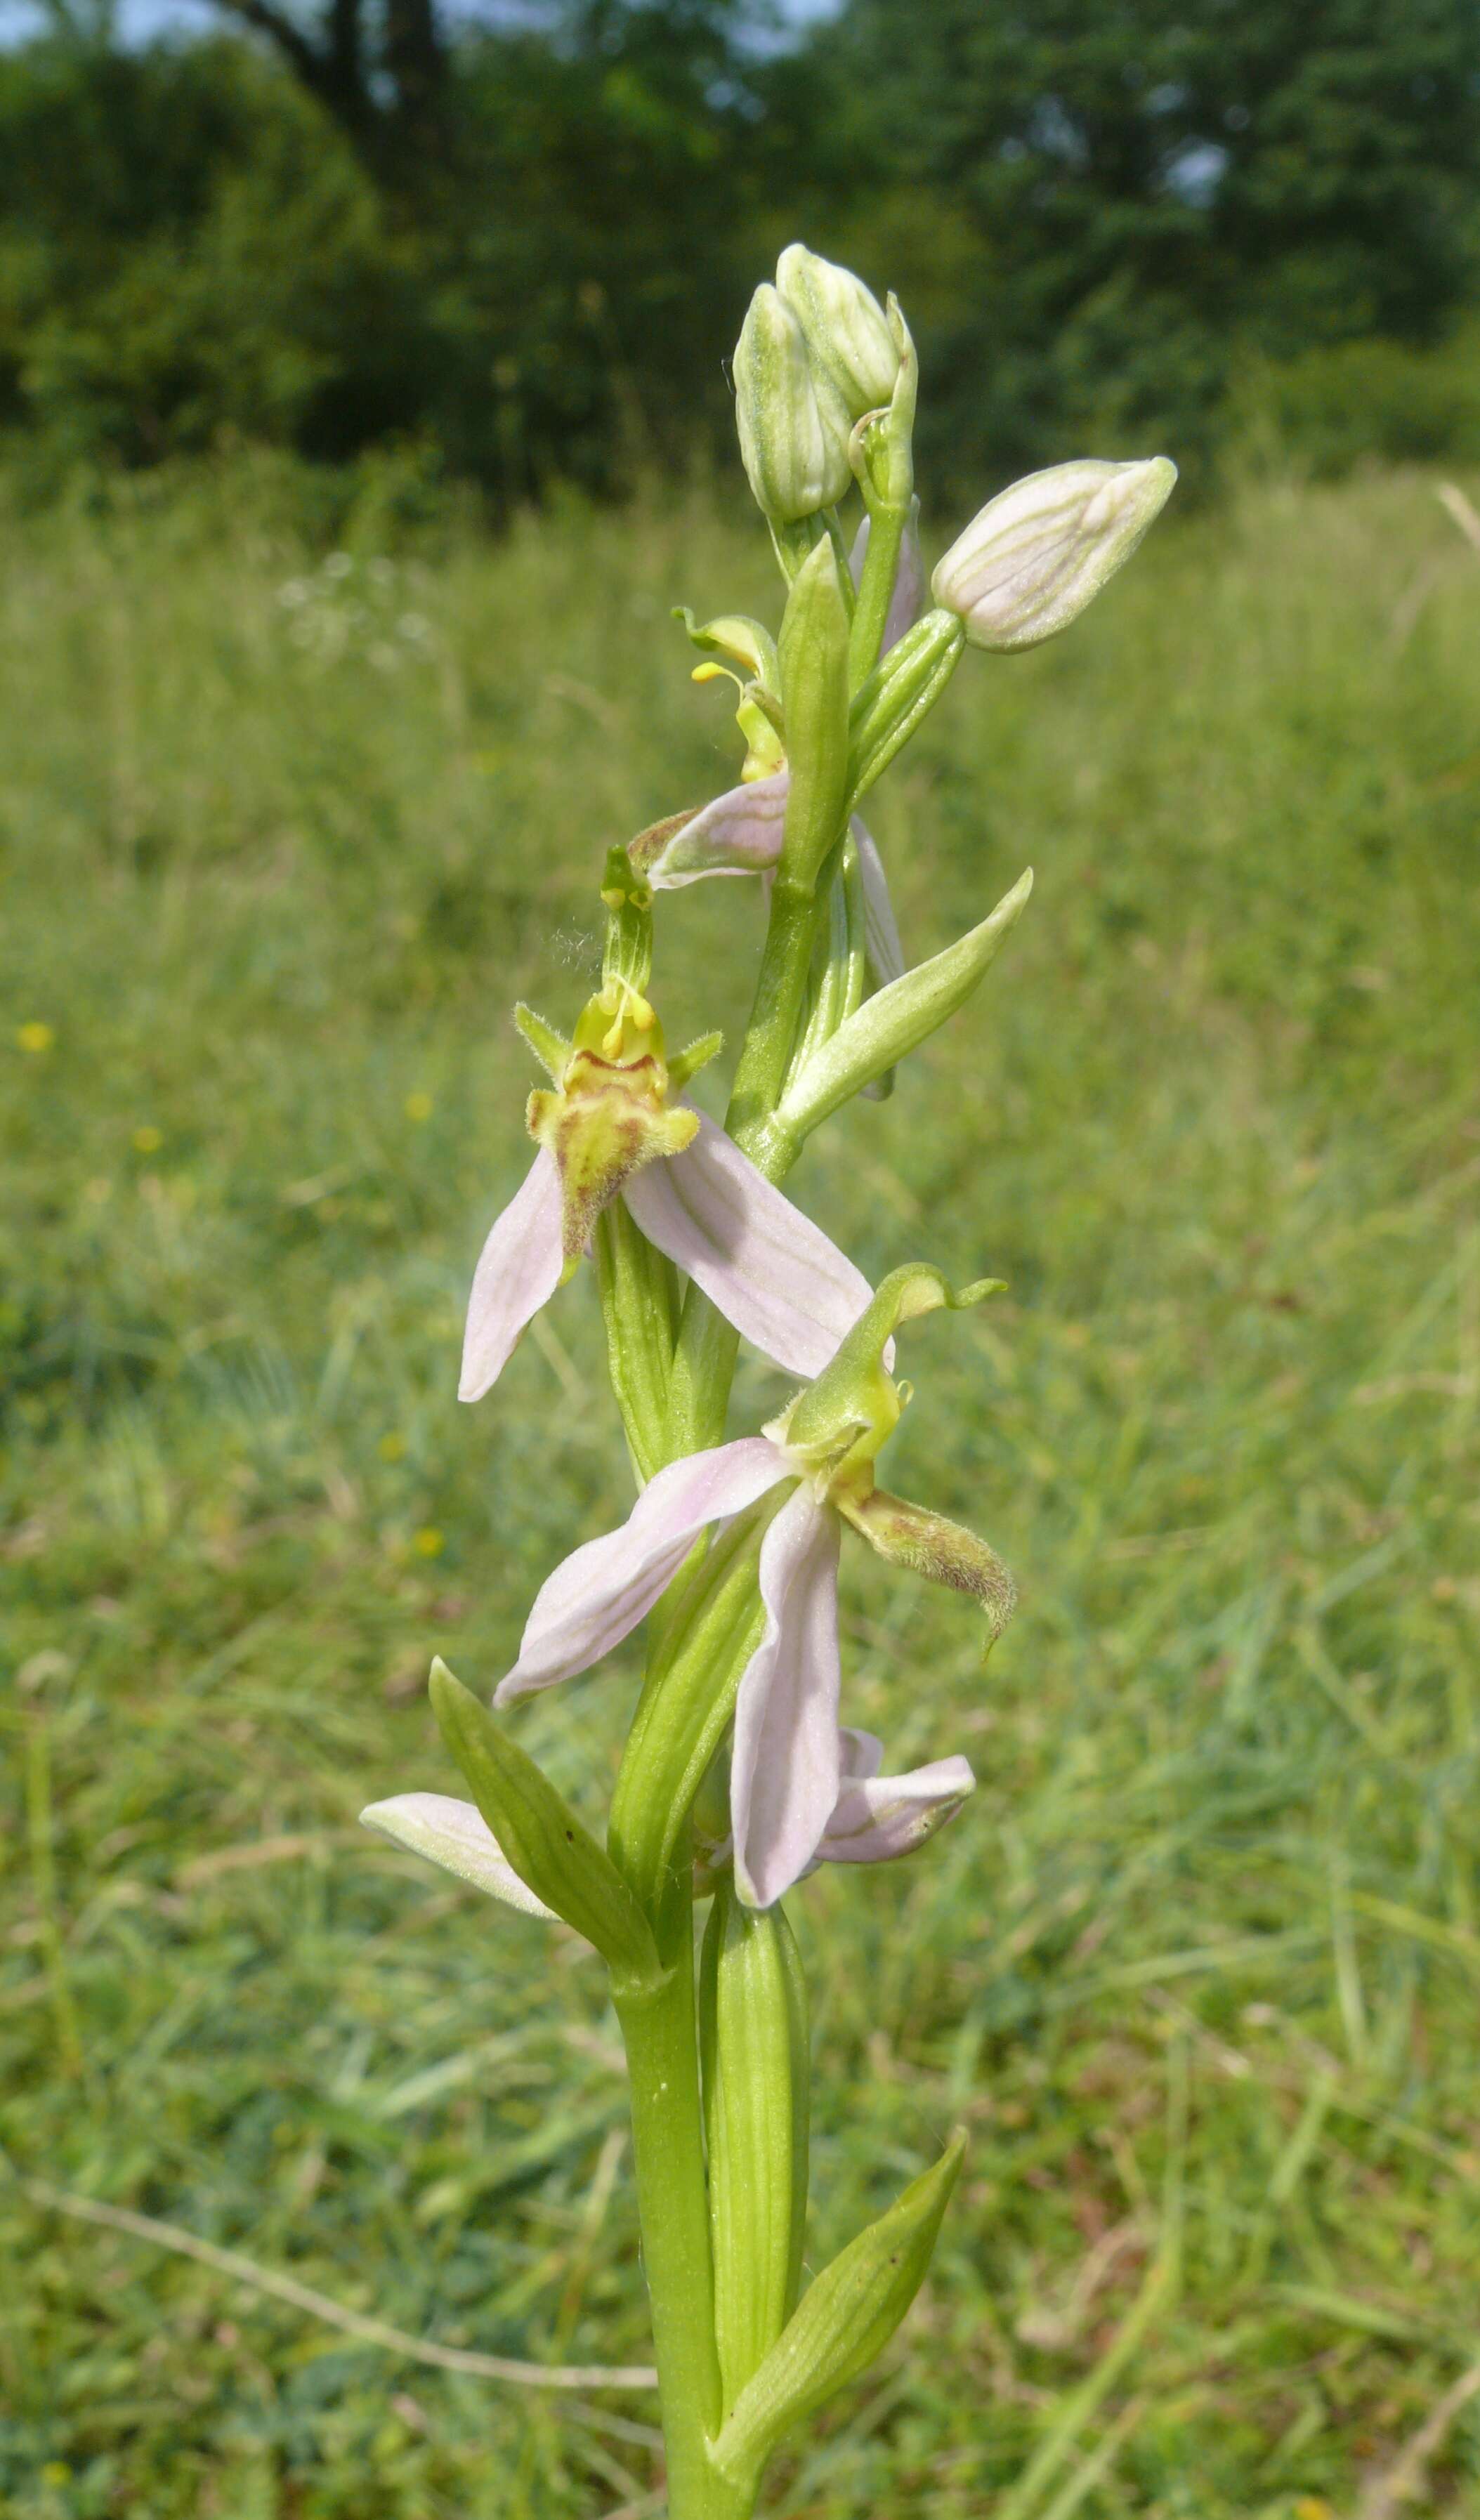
(793, 430)
(1027, 565)
(845, 326)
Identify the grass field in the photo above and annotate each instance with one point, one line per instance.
(1199, 1964)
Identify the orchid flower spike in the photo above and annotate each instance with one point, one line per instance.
(786, 1772)
(611, 1128)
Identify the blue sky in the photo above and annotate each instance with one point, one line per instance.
(139, 19)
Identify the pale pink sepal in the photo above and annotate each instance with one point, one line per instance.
(880, 935)
(518, 1270)
(908, 595)
(456, 1836)
(877, 1818)
(785, 1768)
(737, 833)
(773, 1273)
(600, 1592)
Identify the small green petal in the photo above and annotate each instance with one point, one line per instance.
(855, 1404)
(698, 1054)
(551, 1047)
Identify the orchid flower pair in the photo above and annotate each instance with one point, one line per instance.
(608, 1131)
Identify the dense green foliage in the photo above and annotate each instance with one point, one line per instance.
(282, 836)
(1146, 192)
(1103, 222)
(190, 246)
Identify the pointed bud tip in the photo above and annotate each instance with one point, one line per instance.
(794, 428)
(1040, 552)
(849, 344)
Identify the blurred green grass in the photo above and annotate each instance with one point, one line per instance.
(282, 838)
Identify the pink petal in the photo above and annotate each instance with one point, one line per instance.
(457, 1836)
(877, 1818)
(770, 1270)
(785, 1772)
(907, 601)
(880, 935)
(518, 1270)
(598, 1595)
(862, 1755)
(737, 833)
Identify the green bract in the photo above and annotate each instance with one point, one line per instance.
(896, 1021)
(848, 2314)
(814, 671)
(541, 1836)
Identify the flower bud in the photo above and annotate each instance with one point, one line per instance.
(846, 2315)
(1037, 553)
(845, 326)
(793, 430)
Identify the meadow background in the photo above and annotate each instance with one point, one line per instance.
(319, 714)
(285, 832)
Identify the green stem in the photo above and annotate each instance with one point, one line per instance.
(662, 2057)
(679, 1725)
(781, 991)
(887, 528)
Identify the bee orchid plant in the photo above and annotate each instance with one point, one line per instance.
(738, 1775)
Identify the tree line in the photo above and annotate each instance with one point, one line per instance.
(526, 244)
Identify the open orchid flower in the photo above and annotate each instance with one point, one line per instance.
(611, 1130)
(788, 1771)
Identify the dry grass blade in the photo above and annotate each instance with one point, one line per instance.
(1450, 495)
(370, 2331)
(1158, 2294)
(1401, 2484)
